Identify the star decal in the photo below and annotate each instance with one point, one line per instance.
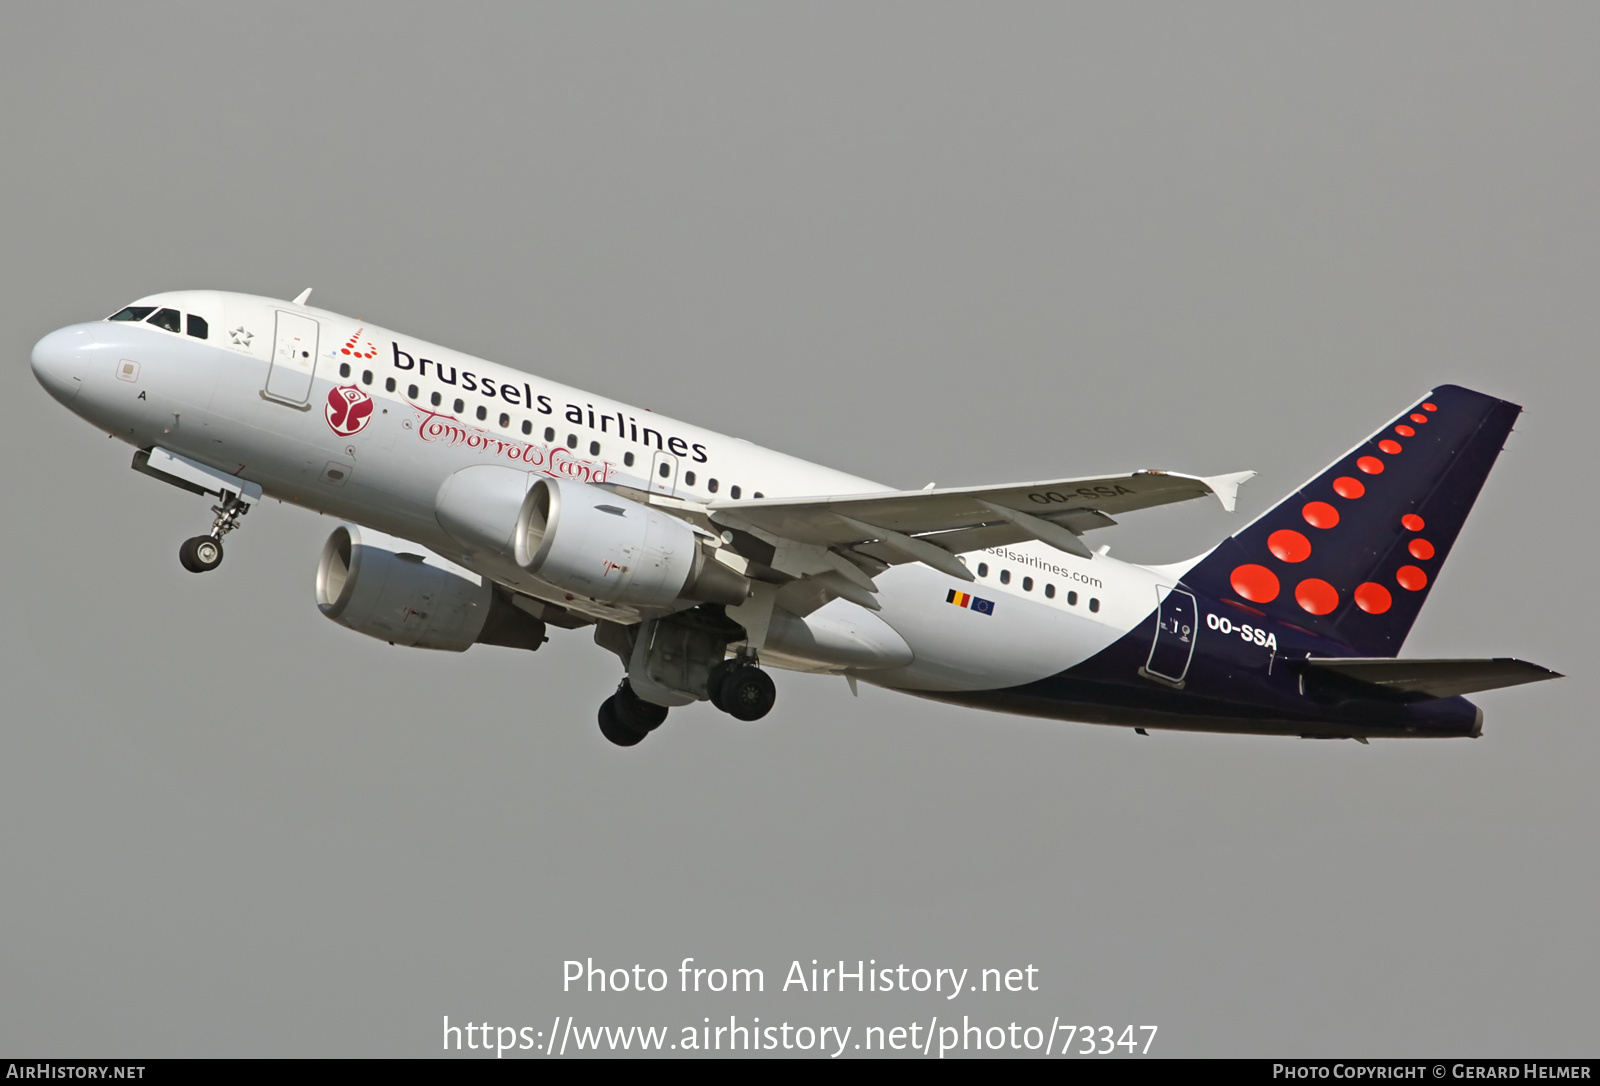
(241, 338)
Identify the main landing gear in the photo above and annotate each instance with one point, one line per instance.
(203, 553)
(737, 687)
(626, 718)
(741, 689)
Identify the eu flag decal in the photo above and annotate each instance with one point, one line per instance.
(970, 602)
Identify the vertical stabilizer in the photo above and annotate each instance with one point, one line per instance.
(1353, 553)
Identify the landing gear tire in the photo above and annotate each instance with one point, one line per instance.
(635, 712)
(614, 728)
(718, 675)
(747, 693)
(202, 554)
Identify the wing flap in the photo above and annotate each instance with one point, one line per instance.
(1433, 678)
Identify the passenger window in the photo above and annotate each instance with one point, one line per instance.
(549, 433)
(627, 460)
(572, 441)
(1094, 604)
(1005, 576)
(133, 313)
(1049, 591)
(344, 369)
(435, 399)
(983, 569)
(505, 419)
(388, 384)
(411, 392)
(594, 448)
(1072, 599)
(366, 377)
(666, 469)
(461, 405)
(527, 427)
(688, 478)
(198, 327)
(167, 319)
(1027, 584)
(758, 494)
(711, 485)
(483, 412)
(734, 492)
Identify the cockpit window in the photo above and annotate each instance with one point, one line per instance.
(133, 313)
(169, 319)
(197, 326)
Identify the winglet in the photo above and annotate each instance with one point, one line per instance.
(1226, 487)
(300, 299)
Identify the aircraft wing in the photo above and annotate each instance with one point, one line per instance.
(865, 533)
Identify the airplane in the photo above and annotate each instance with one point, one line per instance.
(483, 505)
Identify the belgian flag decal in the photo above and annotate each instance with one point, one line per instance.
(970, 602)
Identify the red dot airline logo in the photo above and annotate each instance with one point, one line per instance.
(1259, 584)
(349, 410)
(357, 349)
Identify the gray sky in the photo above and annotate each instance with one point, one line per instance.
(916, 242)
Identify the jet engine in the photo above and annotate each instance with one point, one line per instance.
(585, 539)
(398, 592)
(612, 549)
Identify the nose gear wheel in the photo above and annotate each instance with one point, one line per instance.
(203, 553)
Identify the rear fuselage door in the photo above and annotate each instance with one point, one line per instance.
(1173, 646)
(664, 474)
(294, 358)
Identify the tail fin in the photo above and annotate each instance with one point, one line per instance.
(1353, 553)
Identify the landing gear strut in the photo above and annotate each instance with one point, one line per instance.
(626, 718)
(203, 553)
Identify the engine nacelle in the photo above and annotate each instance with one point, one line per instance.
(398, 592)
(584, 539)
(616, 550)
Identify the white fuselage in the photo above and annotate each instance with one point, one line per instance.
(252, 400)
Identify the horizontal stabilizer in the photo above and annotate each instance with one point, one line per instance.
(1433, 678)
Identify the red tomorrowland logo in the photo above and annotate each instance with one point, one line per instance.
(349, 410)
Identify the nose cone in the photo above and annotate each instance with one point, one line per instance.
(60, 358)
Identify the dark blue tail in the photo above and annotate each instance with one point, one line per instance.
(1352, 554)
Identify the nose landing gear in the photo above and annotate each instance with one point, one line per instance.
(200, 554)
(203, 553)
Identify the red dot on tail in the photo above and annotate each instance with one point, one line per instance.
(1371, 465)
(1405, 431)
(1412, 522)
(1374, 599)
(1258, 584)
(347, 350)
(1289, 545)
(1411, 578)
(1430, 407)
(1421, 549)
(1317, 596)
(1390, 447)
(1320, 514)
(1419, 419)
(1346, 487)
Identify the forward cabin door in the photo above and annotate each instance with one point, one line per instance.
(664, 474)
(294, 359)
(1173, 647)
